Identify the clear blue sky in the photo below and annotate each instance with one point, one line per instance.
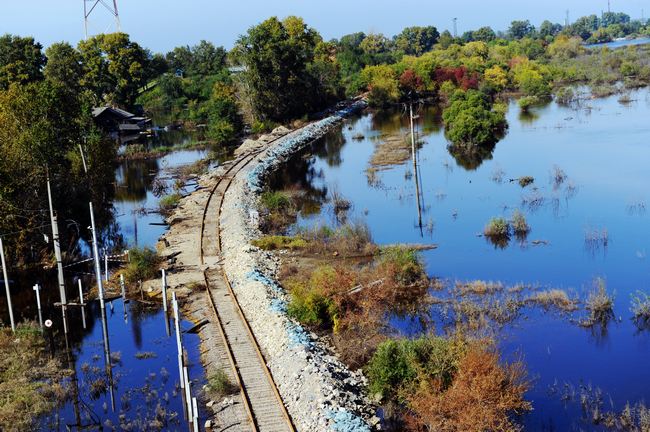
(163, 24)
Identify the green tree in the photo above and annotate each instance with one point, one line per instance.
(41, 125)
(446, 39)
(64, 65)
(383, 84)
(548, 30)
(417, 40)
(115, 68)
(375, 43)
(224, 120)
(202, 59)
(610, 18)
(484, 34)
(470, 120)
(276, 55)
(520, 29)
(21, 60)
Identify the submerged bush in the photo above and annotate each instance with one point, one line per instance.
(525, 181)
(519, 224)
(599, 304)
(143, 265)
(554, 298)
(497, 227)
(641, 309)
(278, 211)
(526, 102)
(471, 119)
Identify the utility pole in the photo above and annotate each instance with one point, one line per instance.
(57, 253)
(455, 28)
(98, 269)
(566, 19)
(415, 167)
(6, 279)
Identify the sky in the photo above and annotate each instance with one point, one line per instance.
(160, 25)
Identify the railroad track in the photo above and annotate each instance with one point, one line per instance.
(261, 398)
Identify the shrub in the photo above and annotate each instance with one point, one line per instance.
(641, 309)
(525, 181)
(483, 396)
(565, 95)
(274, 242)
(497, 227)
(397, 365)
(599, 304)
(526, 102)
(349, 239)
(219, 384)
(169, 202)
(554, 298)
(405, 262)
(275, 200)
(519, 224)
(143, 265)
(310, 303)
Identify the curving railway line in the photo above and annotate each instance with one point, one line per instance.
(262, 401)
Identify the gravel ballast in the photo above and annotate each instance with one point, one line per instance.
(321, 394)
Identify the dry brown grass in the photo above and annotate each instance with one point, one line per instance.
(392, 150)
(30, 381)
(478, 287)
(554, 298)
(483, 396)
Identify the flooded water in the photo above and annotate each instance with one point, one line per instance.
(621, 43)
(591, 173)
(140, 391)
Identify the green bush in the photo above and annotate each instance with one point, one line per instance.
(526, 102)
(143, 265)
(219, 384)
(275, 201)
(309, 305)
(400, 364)
(169, 202)
(406, 261)
(470, 120)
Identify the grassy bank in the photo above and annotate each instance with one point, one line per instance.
(31, 383)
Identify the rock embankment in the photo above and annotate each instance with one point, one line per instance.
(320, 393)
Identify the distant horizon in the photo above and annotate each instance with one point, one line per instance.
(162, 25)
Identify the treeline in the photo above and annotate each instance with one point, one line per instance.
(46, 101)
(278, 71)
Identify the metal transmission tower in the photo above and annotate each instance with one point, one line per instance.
(110, 6)
(455, 28)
